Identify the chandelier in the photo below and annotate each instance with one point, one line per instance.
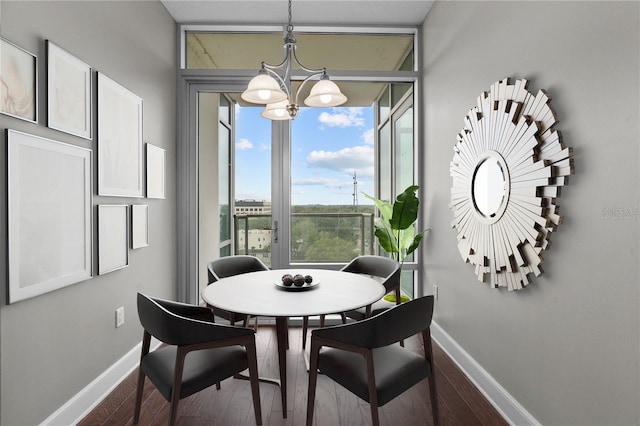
(273, 90)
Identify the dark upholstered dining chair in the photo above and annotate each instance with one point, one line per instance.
(385, 268)
(196, 354)
(366, 359)
(229, 266)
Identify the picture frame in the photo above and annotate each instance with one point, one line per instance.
(155, 160)
(18, 82)
(49, 197)
(113, 241)
(139, 226)
(69, 92)
(120, 155)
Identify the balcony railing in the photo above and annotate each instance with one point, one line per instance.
(315, 237)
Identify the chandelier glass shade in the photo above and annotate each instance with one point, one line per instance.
(273, 90)
(263, 89)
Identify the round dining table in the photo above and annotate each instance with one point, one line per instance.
(263, 293)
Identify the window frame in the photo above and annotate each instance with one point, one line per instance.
(191, 80)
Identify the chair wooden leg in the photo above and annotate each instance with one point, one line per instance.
(373, 394)
(433, 392)
(344, 317)
(255, 385)
(313, 378)
(177, 387)
(322, 317)
(247, 318)
(375, 419)
(139, 391)
(146, 343)
(305, 326)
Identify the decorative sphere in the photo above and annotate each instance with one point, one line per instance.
(298, 280)
(287, 279)
(308, 279)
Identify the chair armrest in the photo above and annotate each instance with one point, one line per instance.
(390, 326)
(192, 331)
(173, 323)
(357, 334)
(186, 309)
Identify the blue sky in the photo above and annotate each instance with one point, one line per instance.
(329, 144)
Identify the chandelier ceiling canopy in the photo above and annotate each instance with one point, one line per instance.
(273, 90)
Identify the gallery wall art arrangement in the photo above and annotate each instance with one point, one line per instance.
(50, 210)
(507, 170)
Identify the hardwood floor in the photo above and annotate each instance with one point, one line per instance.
(459, 401)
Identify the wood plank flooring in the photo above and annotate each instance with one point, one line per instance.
(460, 402)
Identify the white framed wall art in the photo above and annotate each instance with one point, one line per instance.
(69, 96)
(113, 247)
(139, 226)
(49, 215)
(119, 140)
(18, 82)
(155, 171)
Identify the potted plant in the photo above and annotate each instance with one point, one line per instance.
(395, 227)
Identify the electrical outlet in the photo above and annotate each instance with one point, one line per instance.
(119, 316)
(435, 291)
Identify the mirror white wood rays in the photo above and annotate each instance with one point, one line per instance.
(510, 132)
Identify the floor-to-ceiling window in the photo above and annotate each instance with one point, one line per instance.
(296, 193)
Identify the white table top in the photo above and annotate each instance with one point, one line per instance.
(256, 293)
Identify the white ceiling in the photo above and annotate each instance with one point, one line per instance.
(304, 12)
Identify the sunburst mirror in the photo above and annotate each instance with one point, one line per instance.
(508, 166)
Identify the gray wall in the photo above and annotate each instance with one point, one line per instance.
(53, 345)
(566, 347)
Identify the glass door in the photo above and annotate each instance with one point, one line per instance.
(252, 218)
(332, 166)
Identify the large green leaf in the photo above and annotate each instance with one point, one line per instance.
(415, 243)
(385, 236)
(384, 207)
(405, 209)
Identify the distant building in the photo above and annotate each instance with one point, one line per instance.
(250, 207)
(254, 240)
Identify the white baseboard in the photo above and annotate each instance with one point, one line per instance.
(506, 405)
(88, 398)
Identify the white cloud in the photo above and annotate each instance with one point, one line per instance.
(343, 117)
(244, 144)
(368, 136)
(313, 181)
(348, 160)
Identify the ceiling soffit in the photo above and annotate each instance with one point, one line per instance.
(344, 52)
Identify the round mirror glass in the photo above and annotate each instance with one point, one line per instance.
(489, 185)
